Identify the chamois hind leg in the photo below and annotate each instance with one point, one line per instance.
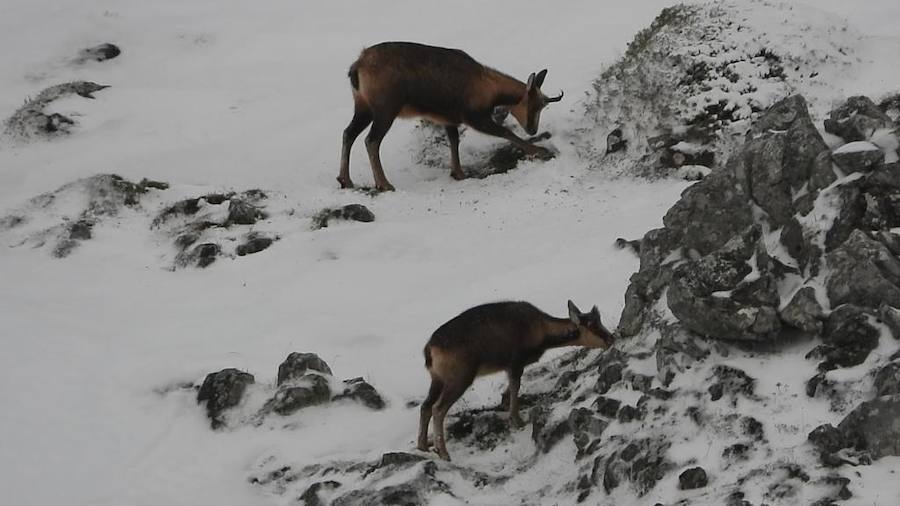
(456, 171)
(361, 119)
(487, 126)
(381, 123)
(451, 393)
(515, 380)
(425, 414)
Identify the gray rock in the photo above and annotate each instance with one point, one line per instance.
(297, 365)
(710, 213)
(803, 311)
(851, 205)
(848, 338)
(546, 433)
(692, 478)
(890, 316)
(827, 438)
(309, 390)
(643, 462)
(676, 352)
(254, 244)
(856, 119)
(585, 427)
(98, 53)
(361, 391)
(782, 153)
(241, 212)
(887, 380)
(865, 159)
(351, 212)
(731, 381)
(311, 496)
(874, 426)
(712, 297)
(222, 391)
(863, 272)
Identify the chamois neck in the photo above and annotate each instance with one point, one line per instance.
(560, 332)
(509, 89)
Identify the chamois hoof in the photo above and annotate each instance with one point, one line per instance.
(516, 422)
(345, 183)
(459, 176)
(542, 154)
(386, 187)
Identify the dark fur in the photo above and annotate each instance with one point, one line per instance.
(444, 85)
(493, 335)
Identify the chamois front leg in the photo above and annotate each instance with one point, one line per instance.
(515, 380)
(487, 126)
(425, 413)
(456, 171)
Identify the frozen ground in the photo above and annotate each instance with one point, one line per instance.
(231, 95)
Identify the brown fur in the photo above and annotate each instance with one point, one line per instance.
(502, 336)
(445, 86)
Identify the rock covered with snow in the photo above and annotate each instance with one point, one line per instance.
(33, 120)
(690, 85)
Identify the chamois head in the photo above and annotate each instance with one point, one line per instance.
(592, 333)
(528, 111)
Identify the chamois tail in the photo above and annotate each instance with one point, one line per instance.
(428, 357)
(353, 74)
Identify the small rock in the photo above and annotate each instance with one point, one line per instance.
(309, 390)
(241, 212)
(606, 406)
(223, 390)
(629, 413)
(890, 316)
(732, 381)
(311, 496)
(858, 156)
(692, 478)
(856, 119)
(354, 212)
(803, 311)
(863, 272)
(615, 141)
(254, 244)
(887, 380)
(102, 52)
(849, 337)
(297, 365)
(546, 433)
(827, 438)
(205, 254)
(360, 390)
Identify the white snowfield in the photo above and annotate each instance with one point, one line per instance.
(219, 95)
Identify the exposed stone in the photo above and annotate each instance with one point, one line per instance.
(309, 390)
(848, 337)
(297, 365)
(352, 212)
(585, 427)
(874, 426)
(546, 432)
(856, 119)
(629, 413)
(676, 352)
(255, 243)
(887, 380)
(710, 212)
(310, 496)
(803, 311)
(642, 462)
(223, 390)
(482, 429)
(607, 407)
(863, 272)
(732, 381)
(717, 297)
(827, 438)
(204, 254)
(692, 478)
(851, 209)
(361, 391)
(890, 316)
(241, 212)
(858, 157)
(98, 53)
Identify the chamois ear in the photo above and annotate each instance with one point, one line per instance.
(529, 85)
(539, 78)
(574, 313)
(595, 313)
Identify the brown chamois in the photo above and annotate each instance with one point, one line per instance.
(445, 86)
(502, 336)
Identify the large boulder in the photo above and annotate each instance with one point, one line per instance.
(856, 119)
(710, 212)
(863, 272)
(223, 390)
(874, 426)
(729, 294)
(803, 311)
(297, 365)
(849, 337)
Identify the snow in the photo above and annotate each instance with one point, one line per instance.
(855, 147)
(215, 95)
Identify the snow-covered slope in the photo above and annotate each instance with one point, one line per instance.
(213, 96)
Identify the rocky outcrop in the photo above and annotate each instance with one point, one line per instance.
(32, 120)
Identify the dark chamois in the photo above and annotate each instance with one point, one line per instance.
(502, 336)
(445, 86)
